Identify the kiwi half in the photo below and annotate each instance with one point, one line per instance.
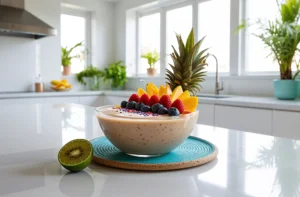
(76, 155)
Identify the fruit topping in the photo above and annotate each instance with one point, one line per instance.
(134, 97)
(173, 112)
(156, 107)
(151, 89)
(141, 91)
(139, 106)
(190, 104)
(145, 108)
(144, 99)
(184, 95)
(131, 105)
(162, 111)
(123, 104)
(154, 99)
(176, 93)
(179, 105)
(165, 101)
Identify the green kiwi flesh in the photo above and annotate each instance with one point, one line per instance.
(76, 155)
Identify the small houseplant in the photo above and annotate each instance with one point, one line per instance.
(282, 37)
(90, 76)
(66, 58)
(115, 74)
(152, 58)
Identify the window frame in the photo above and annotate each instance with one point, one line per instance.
(88, 30)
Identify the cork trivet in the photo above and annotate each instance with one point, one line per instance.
(193, 152)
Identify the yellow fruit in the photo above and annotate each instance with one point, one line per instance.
(55, 82)
(69, 86)
(151, 89)
(176, 93)
(162, 91)
(168, 89)
(190, 104)
(141, 91)
(64, 81)
(184, 95)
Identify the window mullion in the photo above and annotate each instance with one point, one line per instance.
(195, 19)
(138, 46)
(234, 39)
(88, 38)
(163, 40)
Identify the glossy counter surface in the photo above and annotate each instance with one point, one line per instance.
(248, 164)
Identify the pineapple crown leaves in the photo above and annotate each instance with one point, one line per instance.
(188, 64)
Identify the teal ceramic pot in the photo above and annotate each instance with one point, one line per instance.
(286, 89)
(298, 87)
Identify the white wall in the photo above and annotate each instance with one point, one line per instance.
(19, 56)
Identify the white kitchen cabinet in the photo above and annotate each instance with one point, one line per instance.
(244, 119)
(286, 124)
(93, 101)
(21, 101)
(206, 114)
(114, 100)
(62, 100)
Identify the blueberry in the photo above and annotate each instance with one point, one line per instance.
(123, 104)
(156, 107)
(162, 110)
(131, 105)
(173, 111)
(139, 106)
(145, 108)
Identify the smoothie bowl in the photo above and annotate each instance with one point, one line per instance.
(144, 134)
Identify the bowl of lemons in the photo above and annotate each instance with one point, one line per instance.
(61, 85)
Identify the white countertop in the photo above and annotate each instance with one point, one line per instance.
(239, 101)
(248, 165)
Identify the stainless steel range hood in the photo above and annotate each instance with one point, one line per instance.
(15, 21)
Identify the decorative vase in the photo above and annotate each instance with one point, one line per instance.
(67, 70)
(286, 89)
(151, 72)
(93, 83)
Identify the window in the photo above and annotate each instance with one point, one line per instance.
(149, 39)
(75, 29)
(179, 21)
(216, 30)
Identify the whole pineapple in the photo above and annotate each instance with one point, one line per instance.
(188, 66)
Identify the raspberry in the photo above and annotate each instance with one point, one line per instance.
(165, 100)
(134, 97)
(153, 100)
(179, 105)
(144, 99)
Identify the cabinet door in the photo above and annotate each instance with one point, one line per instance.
(206, 114)
(62, 100)
(94, 101)
(244, 119)
(22, 101)
(286, 124)
(114, 100)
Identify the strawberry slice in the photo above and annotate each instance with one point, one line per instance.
(165, 100)
(179, 105)
(144, 99)
(134, 97)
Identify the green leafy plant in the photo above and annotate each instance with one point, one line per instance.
(281, 36)
(116, 74)
(66, 54)
(152, 57)
(90, 72)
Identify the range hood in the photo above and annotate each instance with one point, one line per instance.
(16, 21)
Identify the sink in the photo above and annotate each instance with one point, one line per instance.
(212, 96)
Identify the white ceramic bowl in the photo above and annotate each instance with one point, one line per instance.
(145, 136)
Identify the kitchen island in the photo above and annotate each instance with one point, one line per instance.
(248, 164)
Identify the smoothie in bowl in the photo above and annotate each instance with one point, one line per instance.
(144, 134)
(150, 123)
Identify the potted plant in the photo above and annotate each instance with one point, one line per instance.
(152, 58)
(116, 75)
(90, 77)
(282, 37)
(66, 58)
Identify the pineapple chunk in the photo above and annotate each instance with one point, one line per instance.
(141, 91)
(190, 104)
(176, 93)
(184, 95)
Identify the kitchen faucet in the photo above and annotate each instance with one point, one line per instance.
(218, 83)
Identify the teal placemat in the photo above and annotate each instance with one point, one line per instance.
(192, 152)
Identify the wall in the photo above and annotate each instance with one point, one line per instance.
(20, 56)
(236, 85)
